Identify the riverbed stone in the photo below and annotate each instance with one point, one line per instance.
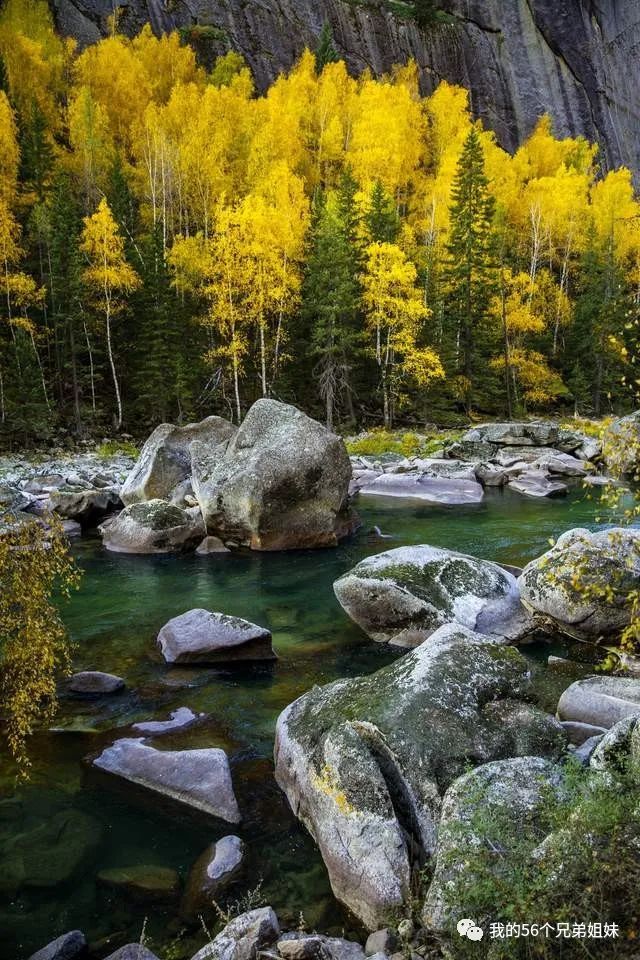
(51, 853)
(515, 790)
(316, 946)
(165, 459)
(70, 946)
(85, 506)
(153, 527)
(205, 636)
(282, 483)
(537, 484)
(420, 588)
(563, 464)
(381, 941)
(220, 865)
(579, 732)
(621, 446)
(491, 474)
(243, 937)
(94, 683)
(199, 779)
(526, 433)
(211, 545)
(606, 565)
(132, 951)
(421, 486)
(179, 719)
(365, 762)
(600, 701)
(12, 500)
(143, 883)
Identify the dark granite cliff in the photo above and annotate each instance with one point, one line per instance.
(575, 59)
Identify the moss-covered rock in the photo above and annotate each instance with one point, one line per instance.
(155, 526)
(405, 594)
(365, 762)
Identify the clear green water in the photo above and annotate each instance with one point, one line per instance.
(122, 603)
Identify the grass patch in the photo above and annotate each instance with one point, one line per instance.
(408, 444)
(117, 448)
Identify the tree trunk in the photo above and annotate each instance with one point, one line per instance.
(113, 368)
(263, 360)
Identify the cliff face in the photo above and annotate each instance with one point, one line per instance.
(574, 59)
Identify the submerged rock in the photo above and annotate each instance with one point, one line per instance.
(244, 937)
(153, 527)
(94, 683)
(365, 762)
(50, 854)
(216, 869)
(418, 589)
(200, 779)
(180, 718)
(165, 459)
(69, 946)
(512, 791)
(282, 483)
(147, 884)
(600, 701)
(203, 636)
(583, 583)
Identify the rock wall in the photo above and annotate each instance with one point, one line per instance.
(575, 59)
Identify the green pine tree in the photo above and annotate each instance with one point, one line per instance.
(326, 50)
(382, 220)
(470, 274)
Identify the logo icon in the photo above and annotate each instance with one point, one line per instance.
(469, 929)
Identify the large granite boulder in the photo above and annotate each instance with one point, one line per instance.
(203, 636)
(411, 591)
(365, 762)
(583, 583)
(621, 446)
(600, 701)
(198, 779)
(506, 794)
(214, 871)
(153, 527)
(243, 937)
(282, 483)
(165, 459)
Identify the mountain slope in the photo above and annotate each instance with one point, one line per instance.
(574, 59)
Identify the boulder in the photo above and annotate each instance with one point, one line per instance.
(364, 762)
(563, 464)
(244, 937)
(132, 951)
(142, 883)
(513, 790)
(85, 506)
(180, 718)
(430, 489)
(51, 853)
(216, 869)
(583, 583)
(69, 946)
(94, 683)
(538, 484)
(12, 500)
(203, 636)
(418, 589)
(153, 527)
(491, 474)
(447, 468)
(621, 446)
(282, 483)
(578, 732)
(315, 946)
(198, 779)
(600, 701)
(619, 747)
(510, 456)
(211, 545)
(165, 459)
(469, 450)
(381, 941)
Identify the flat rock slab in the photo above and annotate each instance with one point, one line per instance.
(199, 779)
(600, 701)
(204, 637)
(535, 483)
(179, 719)
(94, 683)
(417, 486)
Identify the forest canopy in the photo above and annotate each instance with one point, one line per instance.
(174, 244)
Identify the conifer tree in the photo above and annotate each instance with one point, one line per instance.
(325, 51)
(471, 268)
